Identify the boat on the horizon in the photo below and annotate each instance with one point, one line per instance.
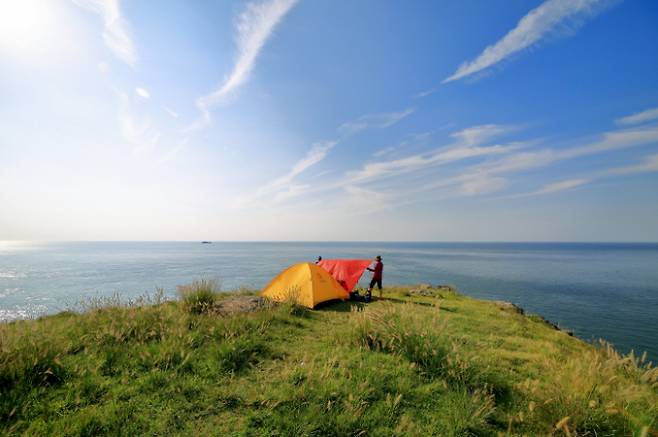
(206, 242)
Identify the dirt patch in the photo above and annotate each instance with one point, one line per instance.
(239, 304)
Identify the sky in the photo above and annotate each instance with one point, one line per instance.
(322, 120)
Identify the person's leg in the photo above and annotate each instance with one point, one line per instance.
(379, 285)
(372, 284)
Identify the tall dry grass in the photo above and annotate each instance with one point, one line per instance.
(599, 392)
(199, 297)
(593, 393)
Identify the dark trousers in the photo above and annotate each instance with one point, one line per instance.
(375, 281)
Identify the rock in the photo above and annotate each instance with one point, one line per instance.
(421, 292)
(509, 307)
(239, 304)
(538, 318)
(426, 289)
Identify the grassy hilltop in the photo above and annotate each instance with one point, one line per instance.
(421, 362)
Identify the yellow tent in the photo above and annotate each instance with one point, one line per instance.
(305, 284)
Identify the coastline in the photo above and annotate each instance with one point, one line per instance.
(422, 361)
(577, 286)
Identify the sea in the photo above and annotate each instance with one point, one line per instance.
(596, 290)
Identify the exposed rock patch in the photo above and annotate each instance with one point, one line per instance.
(238, 304)
(509, 307)
(430, 290)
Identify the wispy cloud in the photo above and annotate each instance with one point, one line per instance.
(138, 132)
(552, 188)
(170, 111)
(483, 184)
(640, 117)
(425, 93)
(467, 144)
(614, 140)
(317, 153)
(442, 156)
(283, 187)
(385, 151)
(173, 152)
(408, 179)
(254, 27)
(482, 133)
(556, 187)
(476, 142)
(650, 164)
(518, 162)
(141, 92)
(115, 33)
(474, 179)
(531, 29)
(609, 141)
(362, 201)
(368, 121)
(413, 141)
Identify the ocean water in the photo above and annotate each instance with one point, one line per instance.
(607, 291)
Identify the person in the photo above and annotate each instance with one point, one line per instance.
(319, 259)
(377, 271)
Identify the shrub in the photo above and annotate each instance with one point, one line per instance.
(199, 296)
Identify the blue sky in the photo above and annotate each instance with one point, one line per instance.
(329, 120)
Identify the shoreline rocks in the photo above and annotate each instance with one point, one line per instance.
(509, 307)
(426, 289)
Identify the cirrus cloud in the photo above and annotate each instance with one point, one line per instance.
(639, 117)
(254, 27)
(116, 34)
(531, 29)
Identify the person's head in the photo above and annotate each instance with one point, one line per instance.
(378, 258)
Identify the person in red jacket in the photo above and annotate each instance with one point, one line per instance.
(377, 272)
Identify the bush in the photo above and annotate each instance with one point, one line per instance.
(199, 297)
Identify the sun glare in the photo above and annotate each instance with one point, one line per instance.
(29, 27)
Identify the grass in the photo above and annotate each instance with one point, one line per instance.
(199, 297)
(436, 363)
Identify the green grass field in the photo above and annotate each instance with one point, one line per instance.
(413, 365)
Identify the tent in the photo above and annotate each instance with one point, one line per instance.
(346, 271)
(306, 284)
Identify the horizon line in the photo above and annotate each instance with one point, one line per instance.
(347, 241)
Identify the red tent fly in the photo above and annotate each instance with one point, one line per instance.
(346, 271)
